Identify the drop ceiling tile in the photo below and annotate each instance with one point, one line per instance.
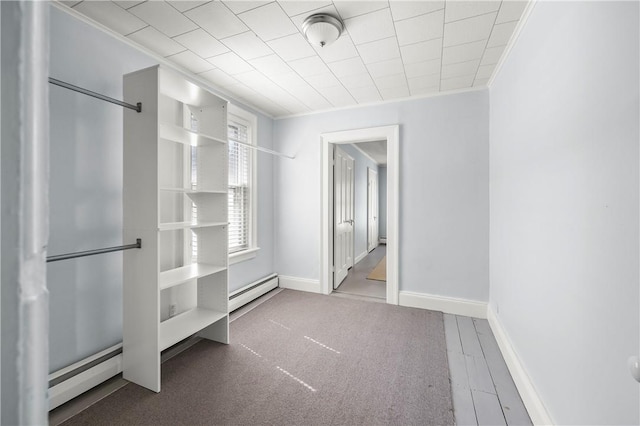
(355, 81)
(370, 27)
(456, 83)
(310, 97)
(247, 45)
(420, 28)
(300, 18)
(460, 69)
(312, 65)
(365, 94)
(191, 61)
(271, 65)
(349, 9)
(201, 43)
(184, 5)
(480, 82)
(337, 95)
(239, 6)
(269, 22)
(468, 30)
(391, 81)
(123, 4)
(501, 34)
(423, 51)
(395, 92)
(492, 55)
(463, 52)
(457, 10)
(156, 41)
(295, 7)
(290, 79)
(257, 81)
(381, 50)
(341, 49)
(111, 15)
(408, 9)
(422, 68)
(511, 11)
(216, 19)
(347, 67)
(322, 81)
(425, 91)
(485, 71)
(417, 84)
(163, 17)
(219, 77)
(292, 47)
(381, 69)
(230, 63)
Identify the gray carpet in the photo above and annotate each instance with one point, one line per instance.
(302, 359)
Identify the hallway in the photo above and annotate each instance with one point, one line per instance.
(357, 283)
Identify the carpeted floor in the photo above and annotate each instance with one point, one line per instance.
(304, 359)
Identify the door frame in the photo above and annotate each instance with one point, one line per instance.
(392, 135)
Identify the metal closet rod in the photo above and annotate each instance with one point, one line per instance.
(267, 150)
(137, 107)
(138, 244)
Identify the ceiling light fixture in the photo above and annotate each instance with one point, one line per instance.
(322, 29)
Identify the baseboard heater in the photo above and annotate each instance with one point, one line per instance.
(72, 381)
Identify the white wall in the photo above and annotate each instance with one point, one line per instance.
(360, 199)
(382, 199)
(86, 191)
(564, 207)
(444, 211)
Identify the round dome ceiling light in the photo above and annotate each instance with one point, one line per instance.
(322, 29)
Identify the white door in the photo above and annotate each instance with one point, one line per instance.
(343, 184)
(372, 209)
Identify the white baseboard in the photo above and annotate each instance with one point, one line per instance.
(302, 284)
(448, 305)
(248, 296)
(360, 257)
(383, 240)
(531, 399)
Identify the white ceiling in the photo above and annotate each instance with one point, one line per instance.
(255, 50)
(376, 150)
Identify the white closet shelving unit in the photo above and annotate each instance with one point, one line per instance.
(175, 199)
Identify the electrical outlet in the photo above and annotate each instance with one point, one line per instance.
(172, 310)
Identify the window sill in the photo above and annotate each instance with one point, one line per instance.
(243, 255)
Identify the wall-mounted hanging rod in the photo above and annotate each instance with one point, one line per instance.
(138, 244)
(267, 150)
(137, 107)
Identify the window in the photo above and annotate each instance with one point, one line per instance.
(242, 186)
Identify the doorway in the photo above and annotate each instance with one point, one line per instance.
(389, 134)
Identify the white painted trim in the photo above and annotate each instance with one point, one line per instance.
(532, 401)
(88, 360)
(302, 284)
(387, 102)
(360, 257)
(392, 135)
(448, 305)
(361, 151)
(243, 255)
(76, 385)
(227, 96)
(512, 41)
(252, 294)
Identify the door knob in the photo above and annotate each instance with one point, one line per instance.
(634, 367)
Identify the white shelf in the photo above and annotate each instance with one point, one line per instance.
(181, 275)
(172, 226)
(187, 137)
(194, 191)
(184, 325)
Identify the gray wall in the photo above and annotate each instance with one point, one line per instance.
(360, 213)
(382, 199)
(444, 195)
(86, 191)
(564, 207)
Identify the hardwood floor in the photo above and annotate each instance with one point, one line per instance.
(357, 283)
(482, 388)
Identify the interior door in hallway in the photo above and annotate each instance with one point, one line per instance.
(372, 209)
(343, 213)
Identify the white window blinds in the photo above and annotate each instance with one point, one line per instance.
(239, 187)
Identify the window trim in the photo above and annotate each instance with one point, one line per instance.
(241, 115)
